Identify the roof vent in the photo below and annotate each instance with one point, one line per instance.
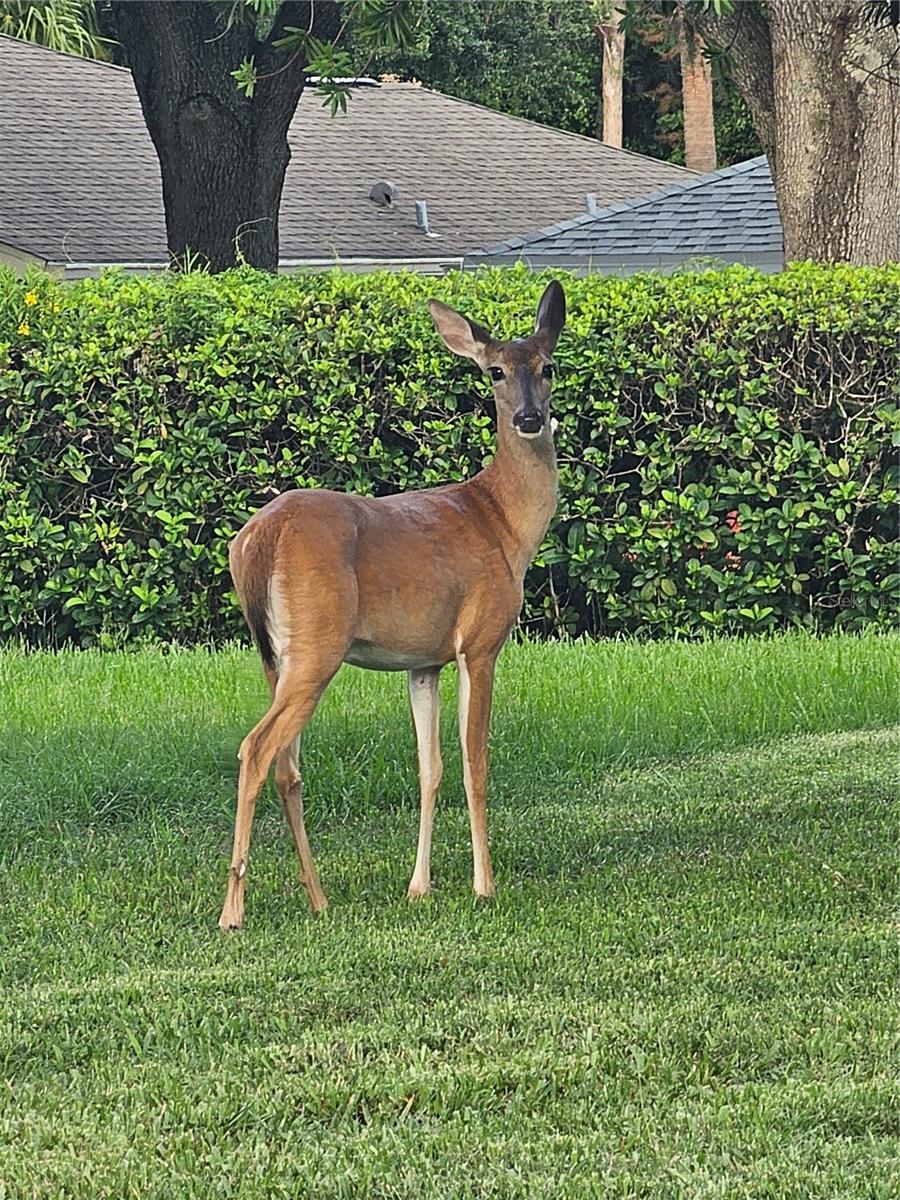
(590, 204)
(422, 215)
(382, 194)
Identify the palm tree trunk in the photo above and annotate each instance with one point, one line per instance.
(613, 40)
(697, 96)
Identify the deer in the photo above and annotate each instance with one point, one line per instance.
(406, 582)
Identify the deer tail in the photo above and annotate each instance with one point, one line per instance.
(251, 580)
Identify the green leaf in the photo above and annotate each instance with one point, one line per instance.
(245, 77)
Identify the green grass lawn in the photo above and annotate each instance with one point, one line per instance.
(684, 988)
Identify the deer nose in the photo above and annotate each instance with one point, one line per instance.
(528, 420)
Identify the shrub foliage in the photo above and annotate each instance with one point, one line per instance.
(725, 440)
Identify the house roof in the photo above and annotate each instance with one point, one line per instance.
(730, 215)
(80, 178)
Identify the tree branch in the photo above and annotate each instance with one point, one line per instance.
(321, 17)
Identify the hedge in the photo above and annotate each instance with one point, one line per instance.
(725, 440)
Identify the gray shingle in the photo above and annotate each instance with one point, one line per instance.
(722, 215)
(79, 178)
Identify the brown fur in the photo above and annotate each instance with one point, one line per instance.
(404, 582)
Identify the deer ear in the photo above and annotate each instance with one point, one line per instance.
(461, 335)
(551, 313)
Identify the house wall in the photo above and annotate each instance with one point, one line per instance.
(19, 260)
(354, 266)
(664, 264)
(362, 266)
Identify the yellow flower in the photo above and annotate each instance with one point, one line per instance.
(24, 329)
(31, 299)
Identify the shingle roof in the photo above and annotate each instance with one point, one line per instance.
(731, 215)
(79, 178)
(78, 172)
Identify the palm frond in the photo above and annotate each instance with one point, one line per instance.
(66, 25)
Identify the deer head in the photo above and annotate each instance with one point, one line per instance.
(521, 371)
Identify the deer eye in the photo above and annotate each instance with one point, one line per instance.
(496, 373)
(548, 371)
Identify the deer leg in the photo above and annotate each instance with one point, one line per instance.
(290, 790)
(293, 704)
(289, 786)
(424, 700)
(476, 683)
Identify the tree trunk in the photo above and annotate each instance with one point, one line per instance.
(613, 41)
(222, 156)
(839, 149)
(821, 82)
(697, 96)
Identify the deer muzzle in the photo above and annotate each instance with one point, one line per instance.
(528, 422)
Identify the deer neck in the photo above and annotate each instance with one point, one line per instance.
(522, 481)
